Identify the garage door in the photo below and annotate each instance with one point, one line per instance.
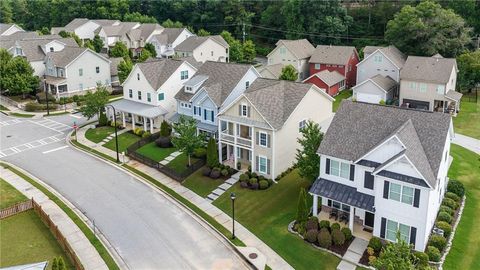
(371, 98)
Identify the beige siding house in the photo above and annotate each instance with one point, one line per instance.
(260, 128)
(208, 48)
(292, 52)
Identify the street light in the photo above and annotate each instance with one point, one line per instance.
(233, 197)
(115, 125)
(46, 92)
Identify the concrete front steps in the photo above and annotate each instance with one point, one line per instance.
(353, 254)
(223, 187)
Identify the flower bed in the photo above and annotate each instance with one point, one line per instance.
(253, 181)
(219, 171)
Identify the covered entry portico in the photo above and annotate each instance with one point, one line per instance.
(137, 113)
(344, 204)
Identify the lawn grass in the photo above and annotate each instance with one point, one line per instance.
(56, 113)
(467, 120)
(267, 213)
(97, 135)
(3, 108)
(29, 241)
(179, 164)
(344, 94)
(152, 151)
(124, 141)
(9, 195)
(107, 258)
(465, 251)
(200, 184)
(23, 115)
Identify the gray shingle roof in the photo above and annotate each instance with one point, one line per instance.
(385, 82)
(394, 54)
(275, 70)
(105, 22)
(276, 99)
(454, 95)
(4, 27)
(171, 34)
(159, 70)
(358, 127)
(67, 55)
(115, 61)
(430, 69)
(75, 23)
(32, 48)
(335, 55)
(329, 77)
(343, 193)
(300, 48)
(191, 60)
(23, 35)
(191, 43)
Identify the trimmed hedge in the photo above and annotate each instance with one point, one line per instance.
(450, 203)
(437, 241)
(376, 244)
(324, 224)
(456, 187)
(433, 254)
(324, 238)
(444, 216)
(347, 232)
(335, 226)
(447, 228)
(452, 196)
(311, 224)
(447, 209)
(34, 107)
(422, 258)
(311, 236)
(338, 237)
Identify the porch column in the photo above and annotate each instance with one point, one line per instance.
(351, 219)
(315, 205)
(144, 123)
(124, 122)
(133, 121)
(235, 153)
(151, 125)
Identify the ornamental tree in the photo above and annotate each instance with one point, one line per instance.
(187, 139)
(308, 162)
(95, 102)
(212, 153)
(289, 73)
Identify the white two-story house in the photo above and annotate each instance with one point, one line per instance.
(292, 52)
(214, 86)
(385, 61)
(168, 39)
(149, 92)
(260, 128)
(74, 71)
(428, 83)
(384, 168)
(207, 48)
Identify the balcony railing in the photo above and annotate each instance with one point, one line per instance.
(226, 136)
(244, 141)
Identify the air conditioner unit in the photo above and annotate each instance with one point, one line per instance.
(438, 231)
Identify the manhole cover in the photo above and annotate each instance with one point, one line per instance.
(252, 255)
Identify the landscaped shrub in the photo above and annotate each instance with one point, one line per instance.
(224, 172)
(370, 251)
(163, 142)
(447, 209)
(270, 181)
(422, 258)
(335, 226)
(444, 216)
(253, 175)
(347, 232)
(200, 152)
(165, 129)
(40, 96)
(311, 224)
(244, 184)
(215, 173)
(146, 134)
(254, 186)
(253, 181)
(244, 177)
(433, 254)
(301, 229)
(263, 184)
(437, 241)
(447, 228)
(375, 243)
(456, 187)
(102, 119)
(371, 259)
(33, 107)
(113, 124)
(324, 224)
(311, 236)
(450, 203)
(338, 237)
(324, 238)
(138, 131)
(206, 171)
(212, 153)
(452, 196)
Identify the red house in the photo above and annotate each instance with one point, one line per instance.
(343, 59)
(331, 81)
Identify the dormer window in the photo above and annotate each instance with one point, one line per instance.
(247, 84)
(184, 74)
(51, 49)
(244, 110)
(18, 51)
(138, 76)
(189, 89)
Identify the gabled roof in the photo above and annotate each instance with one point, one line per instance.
(115, 61)
(275, 100)
(430, 69)
(335, 55)
(191, 43)
(171, 34)
(328, 77)
(64, 57)
(394, 54)
(75, 23)
(275, 70)
(120, 29)
(146, 29)
(105, 22)
(159, 70)
(359, 127)
(32, 48)
(5, 26)
(300, 48)
(385, 82)
(191, 60)
(454, 95)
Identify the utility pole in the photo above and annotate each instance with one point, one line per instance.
(243, 32)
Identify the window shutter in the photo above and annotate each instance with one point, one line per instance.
(268, 140)
(204, 114)
(352, 172)
(195, 110)
(248, 111)
(385, 189)
(382, 228)
(368, 182)
(327, 166)
(200, 111)
(329, 203)
(240, 110)
(416, 198)
(212, 116)
(413, 235)
(257, 137)
(268, 166)
(256, 163)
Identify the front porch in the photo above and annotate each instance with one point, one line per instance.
(358, 230)
(242, 157)
(137, 114)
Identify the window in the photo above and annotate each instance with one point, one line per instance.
(378, 58)
(51, 49)
(395, 192)
(149, 97)
(262, 164)
(212, 116)
(61, 72)
(18, 51)
(393, 227)
(80, 86)
(161, 96)
(80, 72)
(338, 205)
(413, 85)
(138, 76)
(184, 74)
(244, 111)
(283, 50)
(402, 194)
(407, 195)
(263, 139)
(97, 69)
(440, 89)
(341, 84)
(139, 95)
(349, 67)
(211, 53)
(247, 84)
(130, 93)
(317, 66)
(341, 169)
(188, 88)
(423, 88)
(302, 124)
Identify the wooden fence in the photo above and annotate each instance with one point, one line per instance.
(16, 208)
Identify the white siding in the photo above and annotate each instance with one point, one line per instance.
(13, 29)
(240, 88)
(88, 61)
(56, 45)
(86, 31)
(369, 88)
(171, 87)
(204, 52)
(38, 68)
(141, 85)
(369, 68)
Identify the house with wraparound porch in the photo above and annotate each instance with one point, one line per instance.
(383, 169)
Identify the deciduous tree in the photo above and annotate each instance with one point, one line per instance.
(119, 50)
(138, 17)
(249, 51)
(124, 68)
(18, 77)
(395, 256)
(144, 56)
(97, 43)
(95, 102)
(289, 73)
(469, 70)
(202, 33)
(151, 48)
(187, 139)
(308, 162)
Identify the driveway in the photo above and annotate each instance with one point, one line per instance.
(146, 228)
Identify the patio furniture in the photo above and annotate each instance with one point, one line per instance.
(334, 214)
(344, 216)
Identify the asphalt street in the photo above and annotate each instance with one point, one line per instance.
(147, 230)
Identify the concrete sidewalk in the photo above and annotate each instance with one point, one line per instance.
(470, 143)
(272, 258)
(85, 251)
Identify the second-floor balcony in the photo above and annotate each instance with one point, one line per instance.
(236, 134)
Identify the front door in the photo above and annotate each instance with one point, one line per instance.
(369, 219)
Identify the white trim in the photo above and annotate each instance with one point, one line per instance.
(379, 50)
(260, 139)
(244, 75)
(87, 49)
(378, 146)
(266, 164)
(236, 101)
(370, 79)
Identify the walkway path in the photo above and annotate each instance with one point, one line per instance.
(353, 254)
(85, 251)
(470, 143)
(272, 258)
(223, 187)
(171, 157)
(111, 136)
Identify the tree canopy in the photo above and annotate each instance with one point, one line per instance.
(138, 17)
(187, 139)
(307, 159)
(119, 50)
(16, 75)
(151, 48)
(95, 102)
(97, 43)
(469, 66)
(289, 73)
(124, 68)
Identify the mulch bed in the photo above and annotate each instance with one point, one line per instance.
(341, 249)
(364, 258)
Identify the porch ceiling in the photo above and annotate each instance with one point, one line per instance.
(138, 108)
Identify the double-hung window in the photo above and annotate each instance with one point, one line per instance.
(378, 58)
(139, 95)
(413, 86)
(184, 74)
(423, 88)
(340, 169)
(130, 93)
(80, 72)
(393, 227)
(161, 96)
(440, 89)
(97, 69)
(244, 110)
(317, 66)
(283, 50)
(401, 193)
(263, 139)
(247, 84)
(262, 164)
(149, 97)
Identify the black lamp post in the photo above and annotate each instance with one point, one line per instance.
(46, 92)
(233, 197)
(116, 137)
